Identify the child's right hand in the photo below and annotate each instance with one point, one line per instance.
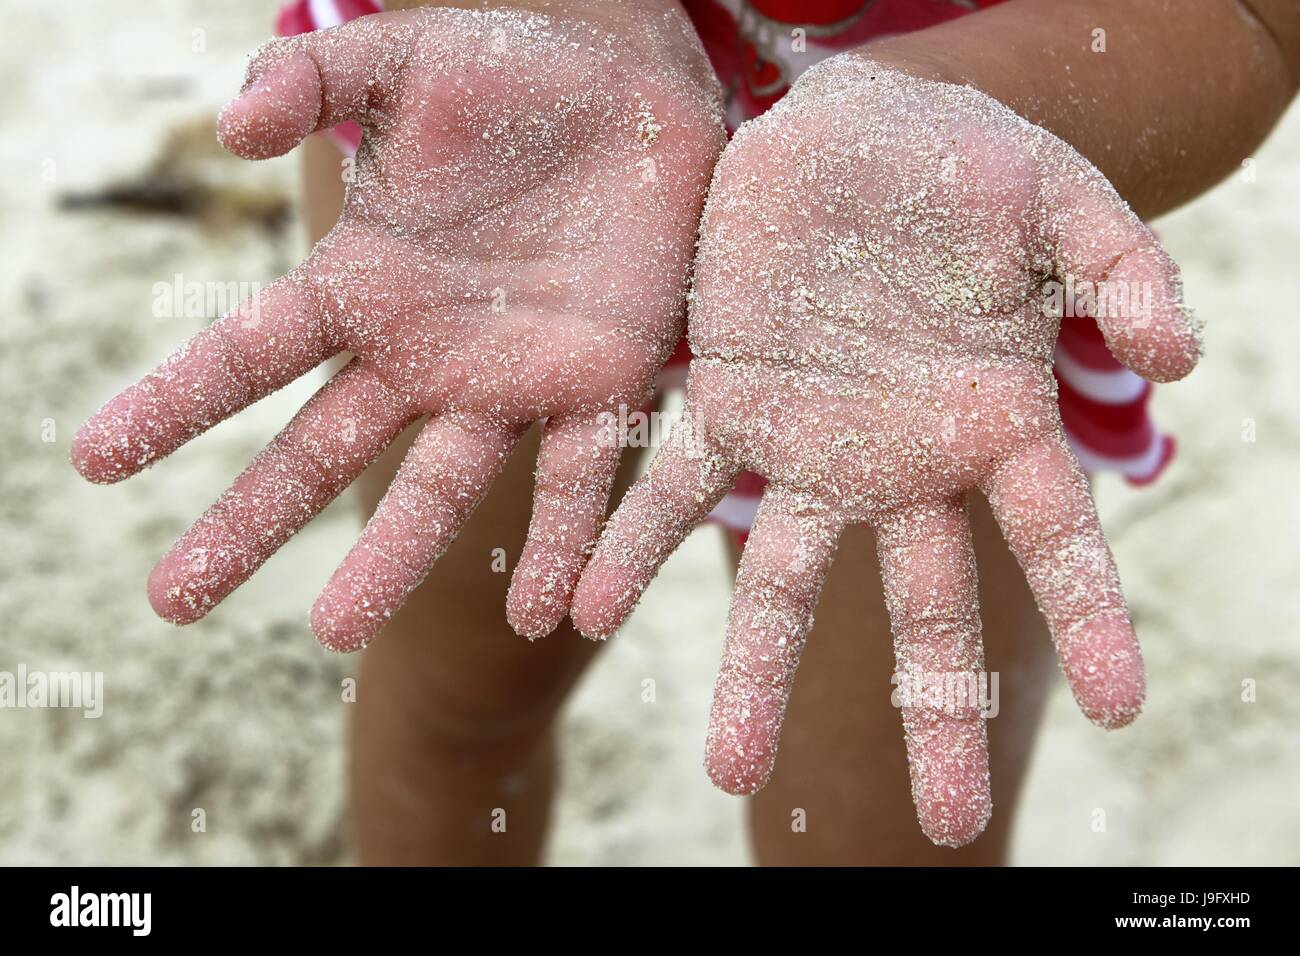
(515, 246)
(870, 335)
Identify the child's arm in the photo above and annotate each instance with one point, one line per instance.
(1183, 92)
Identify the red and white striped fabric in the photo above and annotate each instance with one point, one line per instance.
(1104, 407)
(1103, 404)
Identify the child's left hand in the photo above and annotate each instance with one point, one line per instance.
(870, 335)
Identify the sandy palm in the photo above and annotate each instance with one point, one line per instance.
(870, 335)
(515, 247)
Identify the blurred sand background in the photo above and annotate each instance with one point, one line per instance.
(242, 714)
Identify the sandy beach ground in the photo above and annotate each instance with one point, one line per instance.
(113, 183)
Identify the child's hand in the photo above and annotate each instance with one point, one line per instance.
(515, 246)
(870, 335)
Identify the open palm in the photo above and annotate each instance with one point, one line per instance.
(870, 334)
(514, 246)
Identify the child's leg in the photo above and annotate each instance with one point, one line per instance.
(454, 712)
(842, 757)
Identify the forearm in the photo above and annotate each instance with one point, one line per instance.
(1183, 91)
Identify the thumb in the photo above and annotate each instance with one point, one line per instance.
(1111, 267)
(310, 82)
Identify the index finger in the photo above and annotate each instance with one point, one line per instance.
(1115, 271)
(1041, 501)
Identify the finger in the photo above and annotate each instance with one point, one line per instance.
(928, 569)
(1107, 255)
(297, 85)
(575, 471)
(782, 568)
(1041, 501)
(268, 342)
(442, 479)
(340, 431)
(686, 479)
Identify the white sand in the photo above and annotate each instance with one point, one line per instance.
(242, 715)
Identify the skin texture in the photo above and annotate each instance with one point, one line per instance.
(514, 246)
(872, 334)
